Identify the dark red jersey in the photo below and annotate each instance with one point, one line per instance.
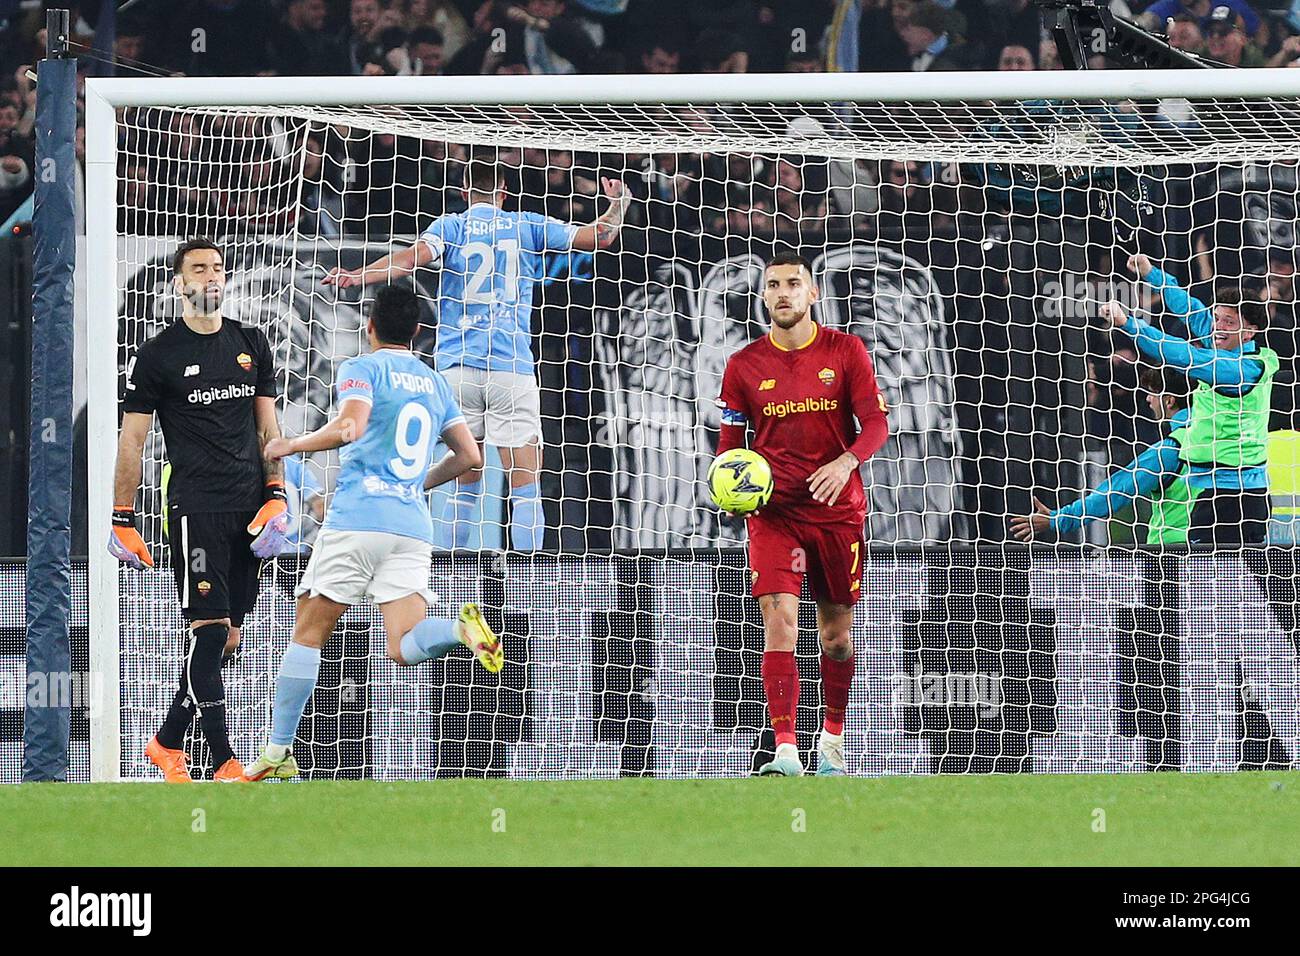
(802, 404)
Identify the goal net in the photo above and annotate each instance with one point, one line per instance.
(967, 229)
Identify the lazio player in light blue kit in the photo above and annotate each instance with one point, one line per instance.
(377, 539)
(492, 262)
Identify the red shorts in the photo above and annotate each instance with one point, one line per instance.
(781, 552)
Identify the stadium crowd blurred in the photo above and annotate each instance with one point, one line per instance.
(233, 174)
(464, 37)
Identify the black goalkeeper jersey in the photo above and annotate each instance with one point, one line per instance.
(203, 389)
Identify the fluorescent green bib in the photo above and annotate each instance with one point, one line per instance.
(1228, 430)
(1171, 508)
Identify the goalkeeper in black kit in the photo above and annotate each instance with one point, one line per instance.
(211, 382)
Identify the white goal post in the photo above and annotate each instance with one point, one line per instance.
(1246, 116)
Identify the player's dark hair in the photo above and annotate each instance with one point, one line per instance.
(396, 315)
(789, 257)
(1165, 381)
(193, 245)
(482, 175)
(1252, 309)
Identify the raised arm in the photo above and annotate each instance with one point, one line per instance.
(1222, 371)
(1191, 311)
(384, 269)
(602, 233)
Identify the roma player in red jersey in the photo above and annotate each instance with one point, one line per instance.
(800, 388)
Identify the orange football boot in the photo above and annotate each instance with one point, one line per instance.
(170, 762)
(232, 771)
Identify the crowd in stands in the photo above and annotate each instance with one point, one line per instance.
(184, 172)
(465, 37)
(468, 37)
(206, 174)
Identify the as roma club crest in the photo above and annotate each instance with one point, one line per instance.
(203, 587)
(245, 361)
(827, 375)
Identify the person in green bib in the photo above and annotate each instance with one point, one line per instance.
(1225, 444)
(1157, 473)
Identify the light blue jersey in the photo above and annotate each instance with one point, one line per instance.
(381, 482)
(491, 262)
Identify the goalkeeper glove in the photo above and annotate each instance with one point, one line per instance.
(271, 522)
(125, 543)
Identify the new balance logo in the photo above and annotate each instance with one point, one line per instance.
(75, 908)
(191, 370)
(767, 385)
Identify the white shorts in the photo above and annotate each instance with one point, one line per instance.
(502, 408)
(349, 567)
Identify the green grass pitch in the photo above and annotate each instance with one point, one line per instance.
(1149, 819)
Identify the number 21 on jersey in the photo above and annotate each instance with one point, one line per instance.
(480, 263)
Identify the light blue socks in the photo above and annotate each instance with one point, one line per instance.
(430, 639)
(527, 520)
(457, 514)
(298, 671)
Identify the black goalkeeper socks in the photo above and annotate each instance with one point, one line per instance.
(179, 716)
(208, 689)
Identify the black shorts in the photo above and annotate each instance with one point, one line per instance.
(1228, 517)
(216, 572)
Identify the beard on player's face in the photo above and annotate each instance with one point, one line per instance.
(786, 308)
(787, 317)
(204, 297)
